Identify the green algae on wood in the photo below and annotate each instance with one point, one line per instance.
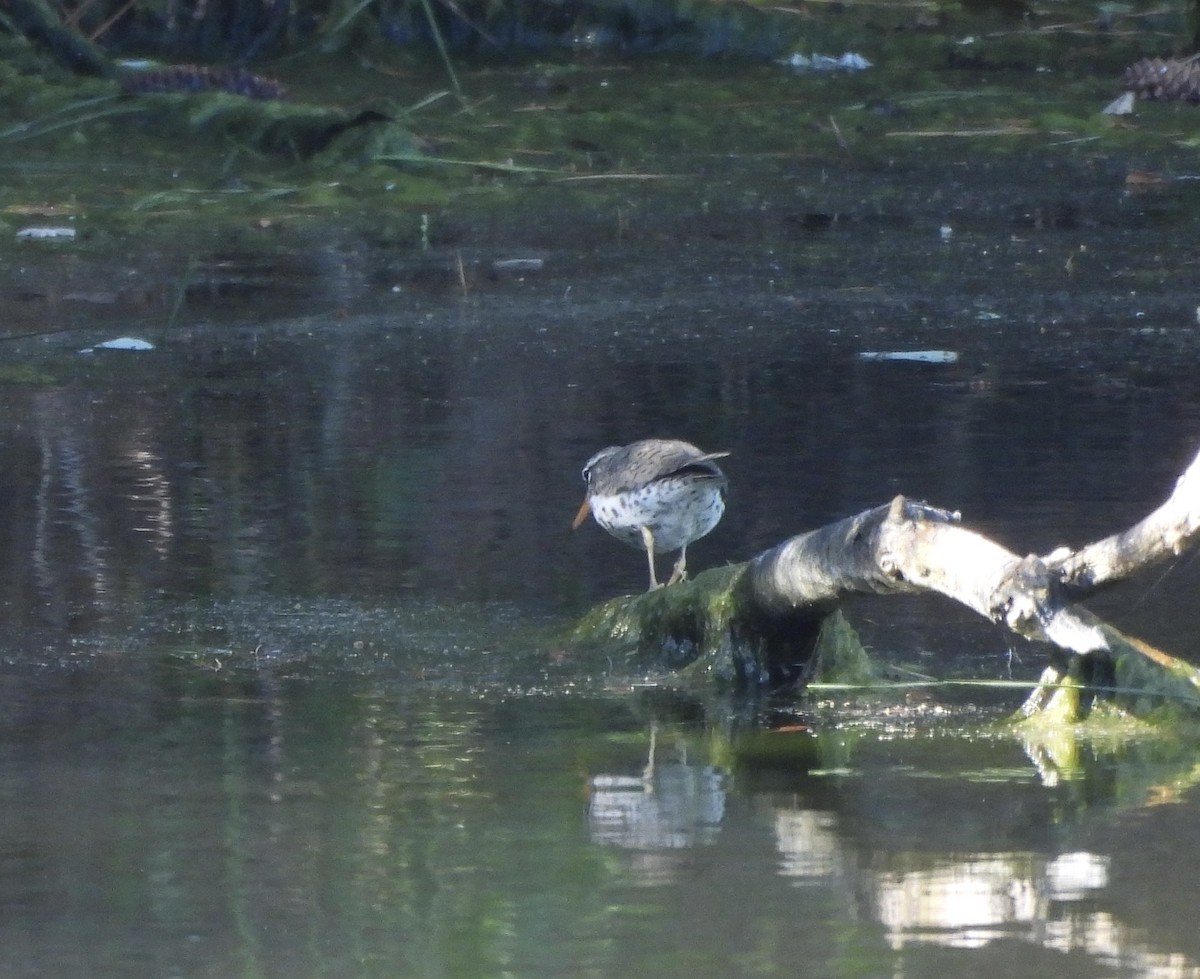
(707, 630)
(1130, 684)
(672, 627)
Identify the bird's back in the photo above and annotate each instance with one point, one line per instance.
(671, 487)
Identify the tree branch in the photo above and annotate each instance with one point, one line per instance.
(761, 622)
(1167, 532)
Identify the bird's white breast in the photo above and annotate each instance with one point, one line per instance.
(677, 512)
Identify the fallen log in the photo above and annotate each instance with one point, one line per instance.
(762, 623)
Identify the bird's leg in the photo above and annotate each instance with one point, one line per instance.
(680, 572)
(648, 540)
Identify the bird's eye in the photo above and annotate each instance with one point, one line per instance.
(586, 473)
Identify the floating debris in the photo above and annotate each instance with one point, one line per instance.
(120, 343)
(40, 234)
(1122, 105)
(1145, 180)
(849, 61)
(912, 356)
(519, 264)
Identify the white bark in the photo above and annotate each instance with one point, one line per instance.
(770, 628)
(910, 547)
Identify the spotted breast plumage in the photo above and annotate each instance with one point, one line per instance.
(657, 494)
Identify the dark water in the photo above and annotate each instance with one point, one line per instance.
(275, 697)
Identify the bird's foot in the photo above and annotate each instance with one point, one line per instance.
(679, 573)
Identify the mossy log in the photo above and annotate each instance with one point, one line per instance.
(769, 621)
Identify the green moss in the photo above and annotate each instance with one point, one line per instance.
(841, 656)
(663, 115)
(24, 374)
(1131, 691)
(1072, 713)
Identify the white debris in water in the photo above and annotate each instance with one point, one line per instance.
(946, 232)
(519, 264)
(850, 61)
(916, 356)
(1122, 105)
(120, 343)
(38, 234)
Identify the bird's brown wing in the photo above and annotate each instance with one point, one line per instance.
(702, 466)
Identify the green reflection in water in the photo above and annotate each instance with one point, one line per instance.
(164, 817)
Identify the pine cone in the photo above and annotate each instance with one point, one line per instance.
(197, 78)
(1170, 80)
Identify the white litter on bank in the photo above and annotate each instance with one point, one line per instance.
(40, 234)
(915, 356)
(850, 61)
(120, 343)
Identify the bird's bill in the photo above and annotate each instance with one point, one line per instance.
(582, 515)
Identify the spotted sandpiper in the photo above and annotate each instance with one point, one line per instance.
(660, 494)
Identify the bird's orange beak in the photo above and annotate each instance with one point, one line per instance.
(582, 515)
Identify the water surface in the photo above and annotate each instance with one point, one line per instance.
(276, 692)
